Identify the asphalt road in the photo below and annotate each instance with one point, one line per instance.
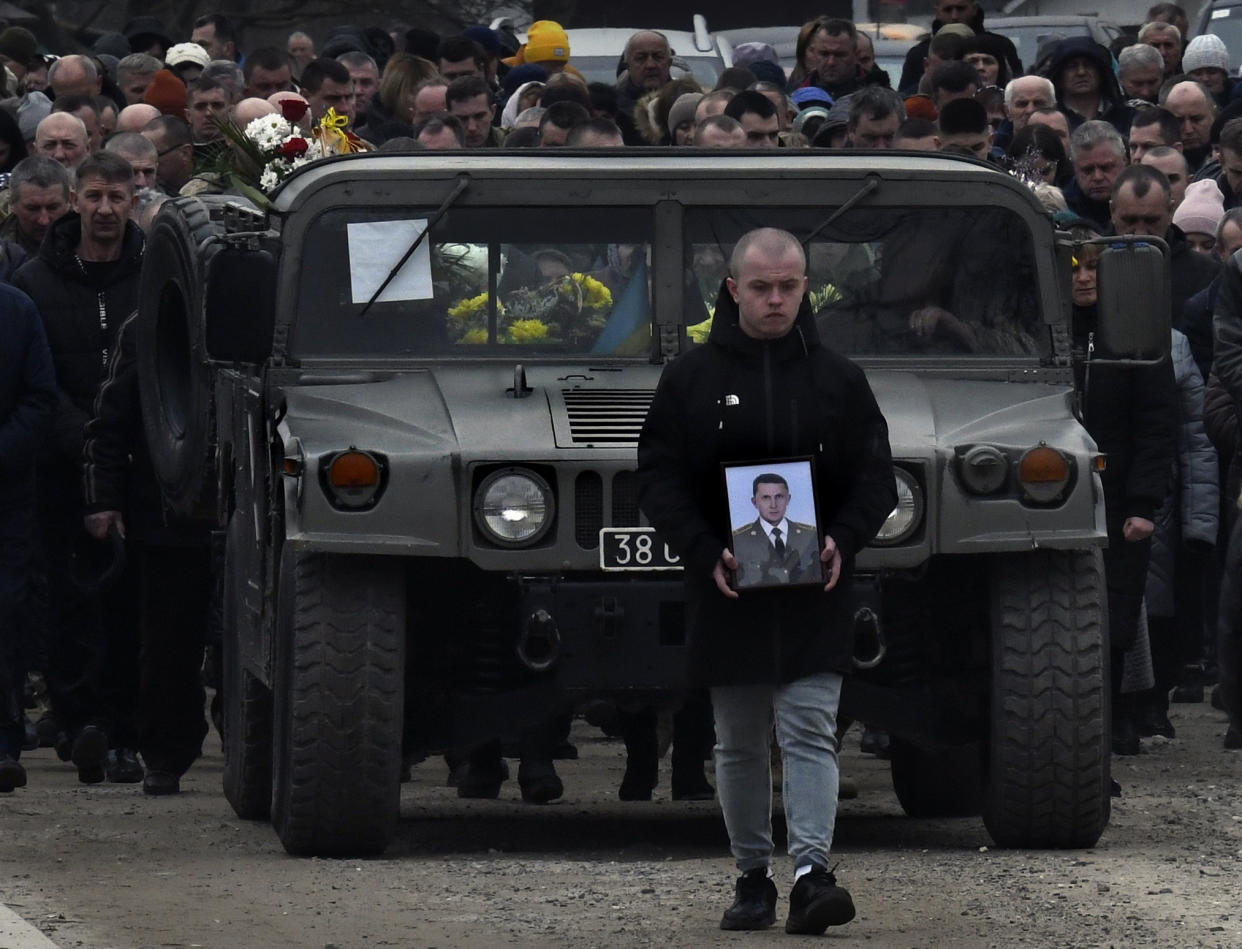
(104, 867)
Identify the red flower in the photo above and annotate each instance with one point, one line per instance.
(293, 109)
(294, 147)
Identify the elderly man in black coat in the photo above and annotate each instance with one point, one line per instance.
(763, 387)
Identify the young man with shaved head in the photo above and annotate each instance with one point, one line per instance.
(764, 387)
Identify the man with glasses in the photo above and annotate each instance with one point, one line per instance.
(174, 152)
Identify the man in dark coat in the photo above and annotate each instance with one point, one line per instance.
(763, 387)
(1081, 71)
(85, 283)
(955, 11)
(27, 395)
(174, 568)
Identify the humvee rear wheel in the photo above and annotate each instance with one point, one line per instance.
(1048, 776)
(247, 702)
(945, 782)
(338, 703)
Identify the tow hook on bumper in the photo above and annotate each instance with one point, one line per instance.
(868, 639)
(539, 644)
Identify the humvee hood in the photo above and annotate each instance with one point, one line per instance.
(924, 410)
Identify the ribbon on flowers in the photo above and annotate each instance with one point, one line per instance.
(333, 137)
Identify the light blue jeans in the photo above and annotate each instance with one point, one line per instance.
(805, 714)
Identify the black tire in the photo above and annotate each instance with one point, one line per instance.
(175, 379)
(338, 703)
(247, 702)
(945, 782)
(1048, 777)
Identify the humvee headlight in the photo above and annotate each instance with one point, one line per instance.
(353, 478)
(1044, 473)
(513, 507)
(905, 518)
(983, 469)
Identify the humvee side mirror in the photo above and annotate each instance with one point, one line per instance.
(239, 305)
(1133, 312)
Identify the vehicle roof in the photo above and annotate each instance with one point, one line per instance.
(641, 164)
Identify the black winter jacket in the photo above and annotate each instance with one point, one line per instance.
(912, 69)
(738, 399)
(27, 397)
(81, 319)
(1131, 412)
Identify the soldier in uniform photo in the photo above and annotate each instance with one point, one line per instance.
(774, 549)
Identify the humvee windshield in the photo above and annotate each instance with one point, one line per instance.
(485, 282)
(893, 281)
(547, 281)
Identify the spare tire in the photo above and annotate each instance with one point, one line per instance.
(175, 379)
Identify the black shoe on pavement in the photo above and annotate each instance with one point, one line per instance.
(539, 782)
(12, 774)
(123, 767)
(89, 754)
(159, 783)
(637, 784)
(875, 741)
(480, 780)
(1125, 734)
(691, 785)
(1233, 739)
(816, 903)
(1187, 694)
(754, 902)
(565, 751)
(1155, 721)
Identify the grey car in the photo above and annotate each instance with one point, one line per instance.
(408, 396)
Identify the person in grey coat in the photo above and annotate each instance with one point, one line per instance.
(1186, 530)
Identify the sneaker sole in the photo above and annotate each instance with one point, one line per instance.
(818, 916)
(743, 925)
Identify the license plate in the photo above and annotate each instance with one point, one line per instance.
(634, 548)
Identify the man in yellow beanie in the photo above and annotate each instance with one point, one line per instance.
(546, 44)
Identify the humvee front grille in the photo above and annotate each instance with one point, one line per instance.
(625, 499)
(611, 417)
(588, 509)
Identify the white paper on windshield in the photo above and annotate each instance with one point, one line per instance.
(374, 249)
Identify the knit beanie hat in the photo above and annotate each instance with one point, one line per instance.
(166, 93)
(766, 71)
(18, 44)
(1206, 52)
(746, 53)
(547, 41)
(683, 110)
(1202, 209)
(33, 109)
(111, 44)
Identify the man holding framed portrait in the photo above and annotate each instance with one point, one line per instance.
(764, 397)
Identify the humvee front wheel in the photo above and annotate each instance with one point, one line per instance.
(340, 660)
(247, 702)
(1048, 774)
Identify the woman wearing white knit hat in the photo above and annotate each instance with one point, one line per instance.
(1200, 213)
(1207, 60)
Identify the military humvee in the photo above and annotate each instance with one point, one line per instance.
(409, 393)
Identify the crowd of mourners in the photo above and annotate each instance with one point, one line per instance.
(1141, 138)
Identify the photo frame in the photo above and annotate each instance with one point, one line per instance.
(774, 527)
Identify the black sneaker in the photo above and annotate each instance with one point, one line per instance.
(89, 753)
(817, 903)
(12, 774)
(754, 905)
(123, 767)
(159, 783)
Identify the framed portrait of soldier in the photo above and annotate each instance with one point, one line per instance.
(774, 526)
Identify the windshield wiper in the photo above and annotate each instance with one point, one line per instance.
(463, 181)
(871, 184)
